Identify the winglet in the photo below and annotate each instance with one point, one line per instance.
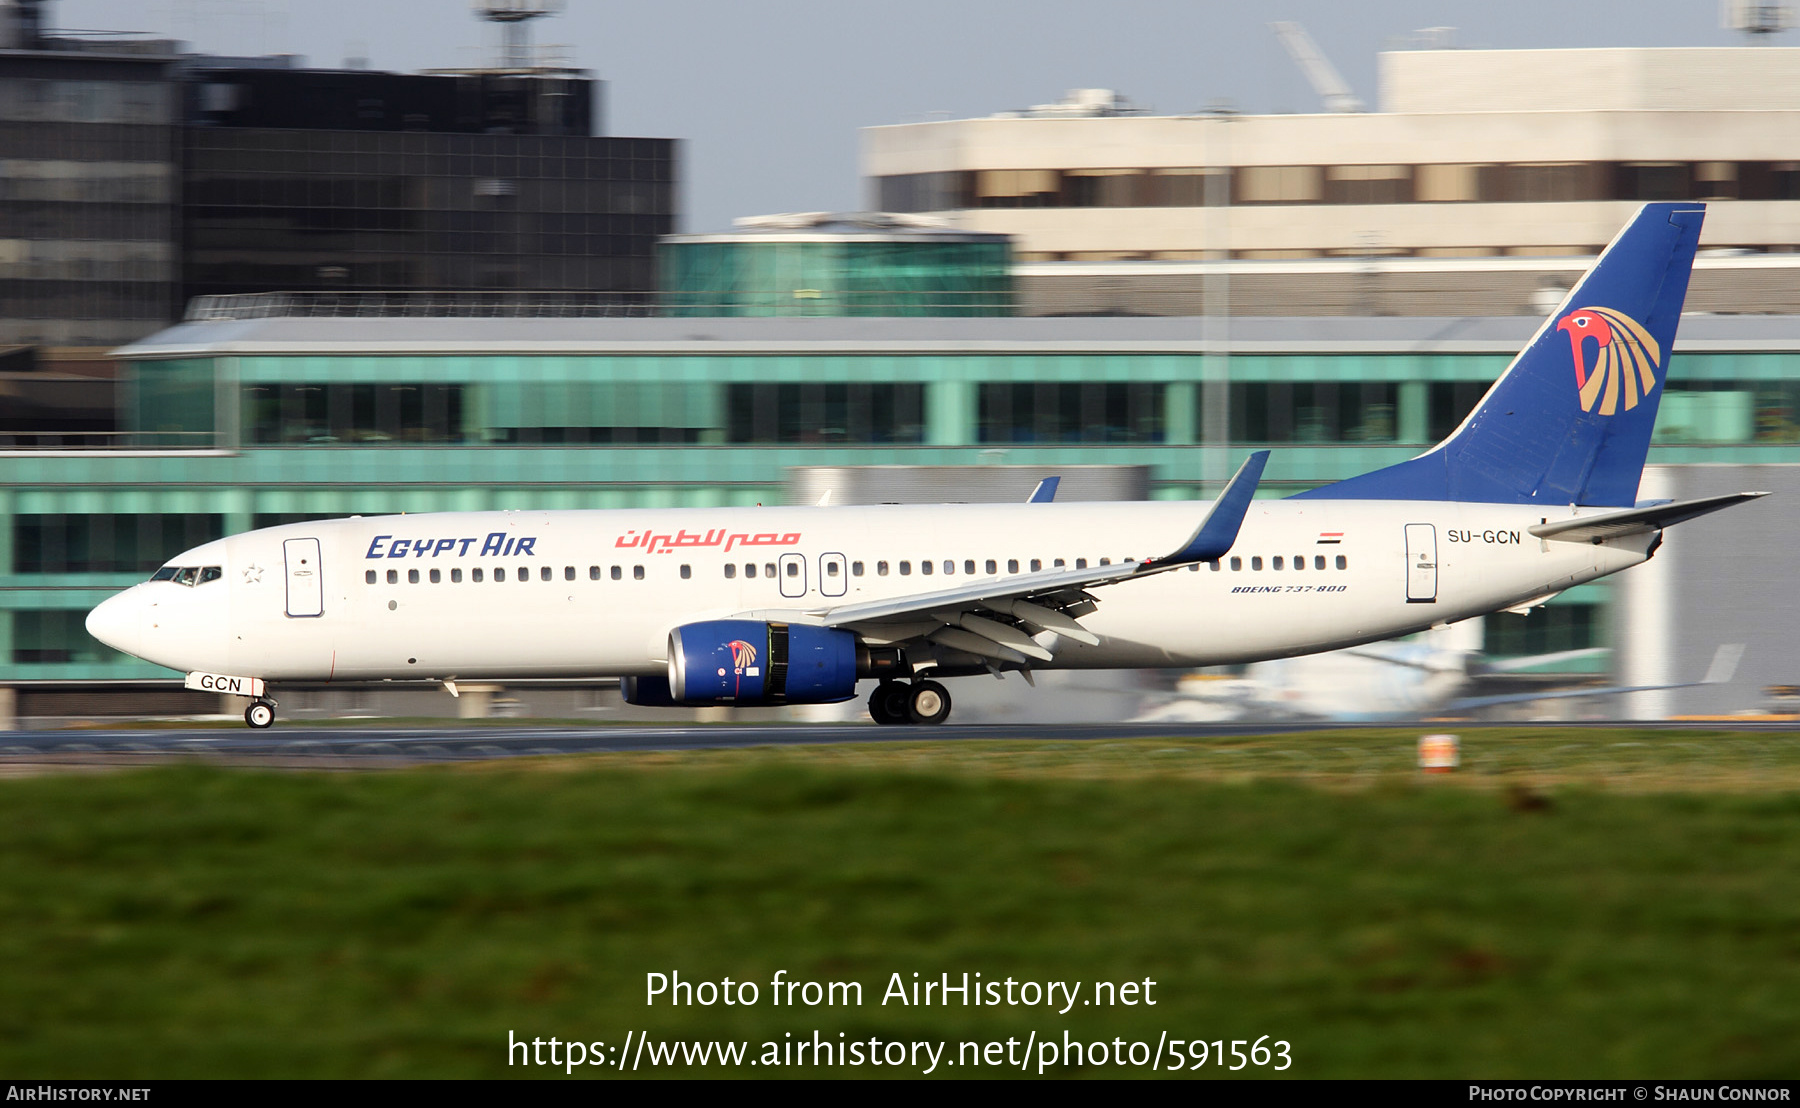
(1045, 491)
(1724, 664)
(1219, 530)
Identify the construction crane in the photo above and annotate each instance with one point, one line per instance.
(1333, 92)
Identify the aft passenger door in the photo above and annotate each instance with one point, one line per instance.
(793, 575)
(305, 578)
(1421, 563)
(832, 579)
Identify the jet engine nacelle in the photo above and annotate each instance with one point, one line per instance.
(746, 661)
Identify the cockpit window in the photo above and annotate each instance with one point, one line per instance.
(166, 573)
(189, 575)
(211, 573)
(186, 575)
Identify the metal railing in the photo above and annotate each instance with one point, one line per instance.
(531, 304)
(108, 440)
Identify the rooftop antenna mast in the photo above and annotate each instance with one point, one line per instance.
(514, 18)
(1757, 18)
(1334, 92)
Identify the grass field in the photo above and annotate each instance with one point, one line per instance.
(1571, 903)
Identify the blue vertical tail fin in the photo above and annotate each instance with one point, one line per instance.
(1569, 421)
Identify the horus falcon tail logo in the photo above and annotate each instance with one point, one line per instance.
(1625, 363)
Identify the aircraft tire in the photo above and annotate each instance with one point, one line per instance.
(260, 715)
(888, 703)
(929, 704)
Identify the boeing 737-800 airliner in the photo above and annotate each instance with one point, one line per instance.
(1534, 493)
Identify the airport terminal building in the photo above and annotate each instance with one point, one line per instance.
(1482, 175)
(1186, 333)
(263, 413)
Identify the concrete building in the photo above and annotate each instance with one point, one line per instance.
(268, 414)
(1505, 157)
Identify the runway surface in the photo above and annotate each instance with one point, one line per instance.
(415, 744)
(377, 746)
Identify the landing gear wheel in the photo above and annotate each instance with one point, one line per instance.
(260, 715)
(887, 704)
(930, 703)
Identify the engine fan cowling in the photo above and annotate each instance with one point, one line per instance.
(744, 661)
(647, 692)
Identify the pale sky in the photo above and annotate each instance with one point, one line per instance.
(767, 96)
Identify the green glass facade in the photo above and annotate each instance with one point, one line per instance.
(240, 438)
(850, 276)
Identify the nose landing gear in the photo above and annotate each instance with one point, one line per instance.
(921, 702)
(260, 714)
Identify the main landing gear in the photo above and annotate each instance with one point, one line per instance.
(260, 714)
(921, 702)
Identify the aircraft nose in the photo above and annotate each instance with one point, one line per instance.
(118, 622)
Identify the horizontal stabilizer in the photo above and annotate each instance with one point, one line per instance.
(1635, 521)
(1045, 491)
(1723, 668)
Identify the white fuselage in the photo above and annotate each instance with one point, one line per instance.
(595, 593)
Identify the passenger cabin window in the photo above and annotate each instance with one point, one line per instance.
(637, 573)
(993, 567)
(524, 575)
(793, 569)
(499, 573)
(924, 567)
(1037, 564)
(368, 577)
(568, 573)
(950, 567)
(393, 576)
(1059, 563)
(1237, 564)
(1274, 563)
(1081, 563)
(544, 573)
(1214, 565)
(768, 569)
(906, 569)
(475, 575)
(831, 569)
(437, 576)
(856, 569)
(1256, 563)
(456, 576)
(1318, 561)
(881, 569)
(749, 569)
(412, 576)
(594, 573)
(1343, 562)
(730, 570)
(1012, 565)
(1106, 561)
(1299, 561)
(687, 572)
(618, 574)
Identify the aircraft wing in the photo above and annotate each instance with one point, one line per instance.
(1724, 665)
(1478, 666)
(1636, 520)
(993, 618)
